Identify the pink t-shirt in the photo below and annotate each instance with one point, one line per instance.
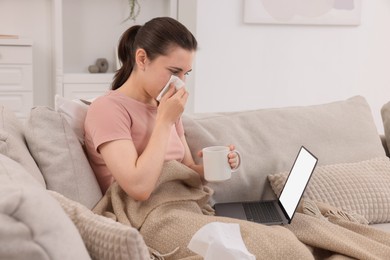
(115, 116)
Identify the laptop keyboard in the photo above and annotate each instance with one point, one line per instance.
(264, 212)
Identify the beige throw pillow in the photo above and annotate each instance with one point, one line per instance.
(269, 139)
(362, 187)
(103, 237)
(60, 156)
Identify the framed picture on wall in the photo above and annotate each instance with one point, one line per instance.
(315, 12)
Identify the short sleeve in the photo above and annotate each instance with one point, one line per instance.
(106, 121)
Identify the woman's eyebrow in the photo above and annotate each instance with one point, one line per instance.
(176, 68)
(179, 69)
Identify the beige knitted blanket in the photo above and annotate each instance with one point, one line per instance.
(179, 207)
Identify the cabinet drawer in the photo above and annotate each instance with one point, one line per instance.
(15, 54)
(16, 77)
(18, 102)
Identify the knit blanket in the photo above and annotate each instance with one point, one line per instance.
(179, 207)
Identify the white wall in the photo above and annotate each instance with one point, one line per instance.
(239, 66)
(244, 66)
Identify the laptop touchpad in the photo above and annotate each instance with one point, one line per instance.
(232, 210)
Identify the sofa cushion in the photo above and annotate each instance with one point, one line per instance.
(385, 112)
(269, 139)
(13, 143)
(104, 237)
(60, 156)
(362, 187)
(32, 224)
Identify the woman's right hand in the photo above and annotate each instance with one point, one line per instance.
(172, 105)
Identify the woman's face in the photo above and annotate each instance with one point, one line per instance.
(178, 62)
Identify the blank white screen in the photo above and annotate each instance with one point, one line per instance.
(297, 180)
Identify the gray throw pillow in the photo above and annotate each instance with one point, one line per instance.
(32, 223)
(269, 139)
(60, 156)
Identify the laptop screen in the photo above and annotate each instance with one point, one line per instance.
(297, 180)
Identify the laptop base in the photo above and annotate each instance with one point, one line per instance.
(237, 210)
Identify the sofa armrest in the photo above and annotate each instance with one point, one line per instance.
(32, 224)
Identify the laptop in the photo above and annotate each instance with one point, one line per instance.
(282, 210)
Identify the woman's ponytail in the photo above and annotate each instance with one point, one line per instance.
(126, 55)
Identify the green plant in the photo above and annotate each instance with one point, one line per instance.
(135, 9)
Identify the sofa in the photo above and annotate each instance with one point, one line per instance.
(47, 187)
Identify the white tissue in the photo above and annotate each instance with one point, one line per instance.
(218, 240)
(177, 82)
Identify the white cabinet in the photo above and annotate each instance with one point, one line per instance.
(16, 76)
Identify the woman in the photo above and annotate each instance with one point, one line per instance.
(129, 135)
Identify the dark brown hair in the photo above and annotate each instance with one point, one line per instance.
(156, 37)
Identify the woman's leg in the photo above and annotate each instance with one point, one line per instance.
(169, 228)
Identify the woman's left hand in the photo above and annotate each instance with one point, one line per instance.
(233, 158)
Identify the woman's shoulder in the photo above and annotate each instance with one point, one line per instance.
(102, 104)
(110, 100)
(116, 97)
(109, 97)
